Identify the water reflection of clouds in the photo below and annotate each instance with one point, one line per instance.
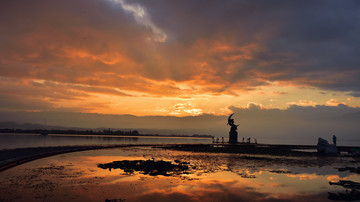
(219, 169)
(215, 177)
(303, 176)
(219, 191)
(334, 178)
(212, 190)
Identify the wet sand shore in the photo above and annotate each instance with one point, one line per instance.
(13, 157)
(246, 172)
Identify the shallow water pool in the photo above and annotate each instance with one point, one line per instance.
(207, 177)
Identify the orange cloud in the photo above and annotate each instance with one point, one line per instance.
(333, 102)
(95, 49)
(303, 103)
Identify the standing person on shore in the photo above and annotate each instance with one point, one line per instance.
(334, 140)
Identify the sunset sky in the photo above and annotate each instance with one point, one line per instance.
(178, 58)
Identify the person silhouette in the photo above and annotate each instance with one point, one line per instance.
(334, 140)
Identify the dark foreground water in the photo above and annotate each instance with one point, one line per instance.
(12, 141)
(152, 174)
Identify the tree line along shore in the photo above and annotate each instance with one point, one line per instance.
(95, 132)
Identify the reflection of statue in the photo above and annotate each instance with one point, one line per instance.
(233, 130)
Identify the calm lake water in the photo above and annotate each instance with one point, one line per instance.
(11, 141)
(208, 177)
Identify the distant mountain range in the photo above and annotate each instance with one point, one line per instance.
(31, 126)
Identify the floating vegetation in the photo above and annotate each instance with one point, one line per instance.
(350, 169)
(347, 184)
(114, 200)
(149, 167)
(352, 192)
(280, 171)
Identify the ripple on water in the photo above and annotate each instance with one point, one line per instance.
(149, 174)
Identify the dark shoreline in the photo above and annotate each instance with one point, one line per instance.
(269, 149)
(131, 133)
(12, 157)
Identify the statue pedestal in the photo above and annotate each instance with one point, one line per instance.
(233, 137)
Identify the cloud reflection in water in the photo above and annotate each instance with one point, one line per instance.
(211, 177)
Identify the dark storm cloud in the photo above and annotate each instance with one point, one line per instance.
(18, 103)
(307, 42)
(216, 47)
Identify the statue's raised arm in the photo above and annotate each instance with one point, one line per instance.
(230, 121)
